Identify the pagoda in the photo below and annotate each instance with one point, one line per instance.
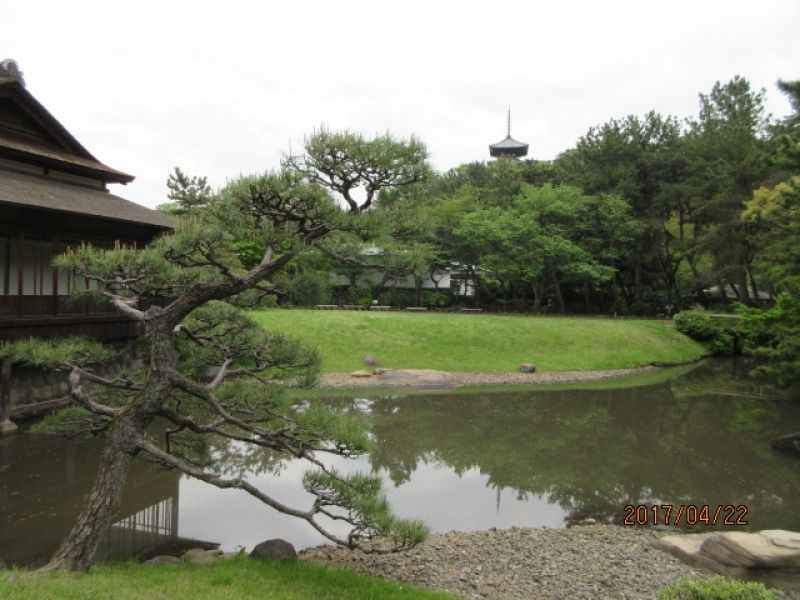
(509, 147)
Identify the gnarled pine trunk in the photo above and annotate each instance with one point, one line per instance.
(129, 426)
(78, 549)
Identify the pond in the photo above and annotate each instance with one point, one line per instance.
(468, 460)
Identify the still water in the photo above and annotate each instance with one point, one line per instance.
(697, 435)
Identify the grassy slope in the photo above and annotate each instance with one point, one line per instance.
(235, 578)
(470, 342)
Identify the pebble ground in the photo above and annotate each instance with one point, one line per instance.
(584, 562)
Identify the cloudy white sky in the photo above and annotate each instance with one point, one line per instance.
(223, 88)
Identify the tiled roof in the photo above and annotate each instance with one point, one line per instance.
(40, 192)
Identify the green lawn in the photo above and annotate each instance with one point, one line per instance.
(477, 342)
(225, 579)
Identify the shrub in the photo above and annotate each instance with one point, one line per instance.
(359, 294)
(719, 335)
(697, 324)
(715, 588)
(773, 335)
(309, 289)
(435, 299)
(397, 297)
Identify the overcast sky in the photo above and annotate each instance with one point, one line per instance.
(223, 88)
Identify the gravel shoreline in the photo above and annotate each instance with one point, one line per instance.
(346, 380)
(582, 562)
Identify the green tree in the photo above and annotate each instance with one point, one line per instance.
(552, 237)
(186, 193)
(357, 168)
(197, 268)
(727, 148)
(642, 161)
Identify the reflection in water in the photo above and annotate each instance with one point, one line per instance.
(683, 441)
(459, 462)
(43, 480)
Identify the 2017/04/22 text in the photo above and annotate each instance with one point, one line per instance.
(685, 514)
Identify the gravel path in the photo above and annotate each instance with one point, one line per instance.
(585, 562)
(345, 380)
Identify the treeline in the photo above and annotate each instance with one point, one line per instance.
(645, 215)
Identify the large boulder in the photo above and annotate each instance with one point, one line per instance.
(770, 556)
(276, 549)
(416, 378)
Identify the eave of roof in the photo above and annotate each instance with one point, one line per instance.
(75, 156)
(40, 192)
(508, 143)
(34, 153)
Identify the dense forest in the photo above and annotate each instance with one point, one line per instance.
(645, 215)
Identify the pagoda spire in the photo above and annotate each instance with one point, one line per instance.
(509, 147)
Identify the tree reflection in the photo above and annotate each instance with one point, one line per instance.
(684, 441)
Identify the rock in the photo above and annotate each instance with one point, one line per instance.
(275, 549)
(198, 556)
(380, 371)
(361, 374)
(417, 378)
(527, 368)
(7, 428)
(164, 560)
(789, 443)
(770, 556)
(371, 360)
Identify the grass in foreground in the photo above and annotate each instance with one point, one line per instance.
(469, 342)
(238, 577)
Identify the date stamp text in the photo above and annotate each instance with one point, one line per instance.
(685, 514)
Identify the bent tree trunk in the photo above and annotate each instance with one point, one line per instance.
(77, 551)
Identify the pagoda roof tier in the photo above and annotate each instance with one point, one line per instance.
(508, 147)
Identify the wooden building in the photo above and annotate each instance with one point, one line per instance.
(53, 195)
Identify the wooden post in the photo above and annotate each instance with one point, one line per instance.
(6, 425)
(7, 270)
(53, 253)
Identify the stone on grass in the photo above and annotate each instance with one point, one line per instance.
(361, 374)
(371, 360)
(527, 368)
(276, 549)
(164, 560)
(771, 556)
(198, 556)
